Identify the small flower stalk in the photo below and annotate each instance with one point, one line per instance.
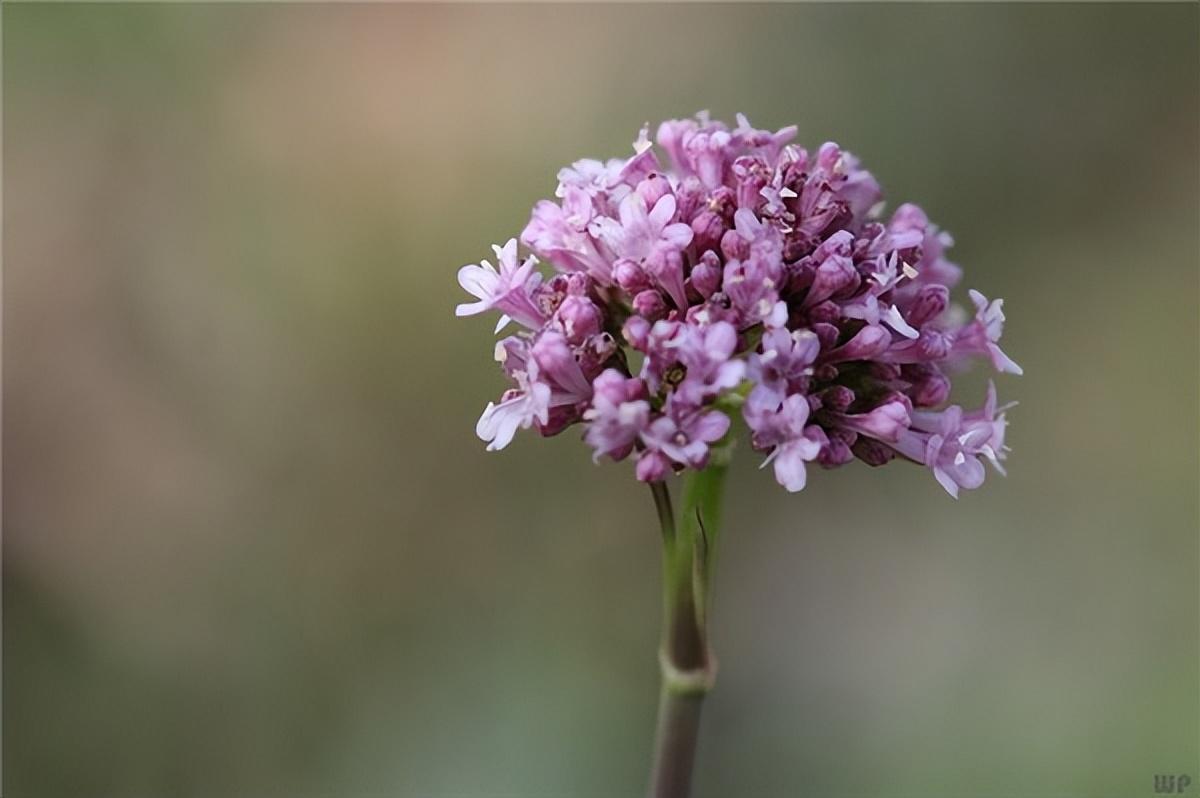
(658, 300)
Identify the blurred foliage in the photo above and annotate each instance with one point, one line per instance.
(252, 546)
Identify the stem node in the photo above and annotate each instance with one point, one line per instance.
(697, 681)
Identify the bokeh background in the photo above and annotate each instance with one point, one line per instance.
(253, 548)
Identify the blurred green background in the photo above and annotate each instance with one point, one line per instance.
(252, 546)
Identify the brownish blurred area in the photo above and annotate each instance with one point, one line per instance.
(253, 547)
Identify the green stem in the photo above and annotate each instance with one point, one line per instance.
(675, 744)
(688, 667)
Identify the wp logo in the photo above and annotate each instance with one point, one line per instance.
(1171, 785)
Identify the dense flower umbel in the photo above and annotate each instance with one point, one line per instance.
(749, 272)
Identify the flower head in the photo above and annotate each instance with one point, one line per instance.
(749, 273)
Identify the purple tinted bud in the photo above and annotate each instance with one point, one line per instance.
(652, 466)
(838, 245)
(559, 368)
(828, 157)
(847, 436)
(734, 247)
(579, 318)
(836, 452)
(708, 228)
(928, 304)
(838, 398)
(705, 152)
(665, 266)
(640, 166)
(653, 188)
(615, 388)
(933, 345)
(691, 198)
(872, 452)
(826, 312)
(827, 334)
(835, 274)
(826, 372)
(706, 275)
(649, 304)
(884, 423)
(868, 343)
(557, 420)
(909, 217)
(630, 276)
(931, 390)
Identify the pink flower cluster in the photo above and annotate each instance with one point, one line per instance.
(749, 274)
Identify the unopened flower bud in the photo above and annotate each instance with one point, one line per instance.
(734, 247)
(690, 198)
(653, 188)
(652, 466)
(630, 276)
(827, 334)
(838, 398)
(708, 228)
(931, 390)
(835, 453)
(649, 304)
(928, 304)
(706, 275)
(826, 372)
(827, 312)
(579, 318)
(868, 343)
(872, 452)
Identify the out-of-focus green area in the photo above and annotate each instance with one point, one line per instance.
(253, 547)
